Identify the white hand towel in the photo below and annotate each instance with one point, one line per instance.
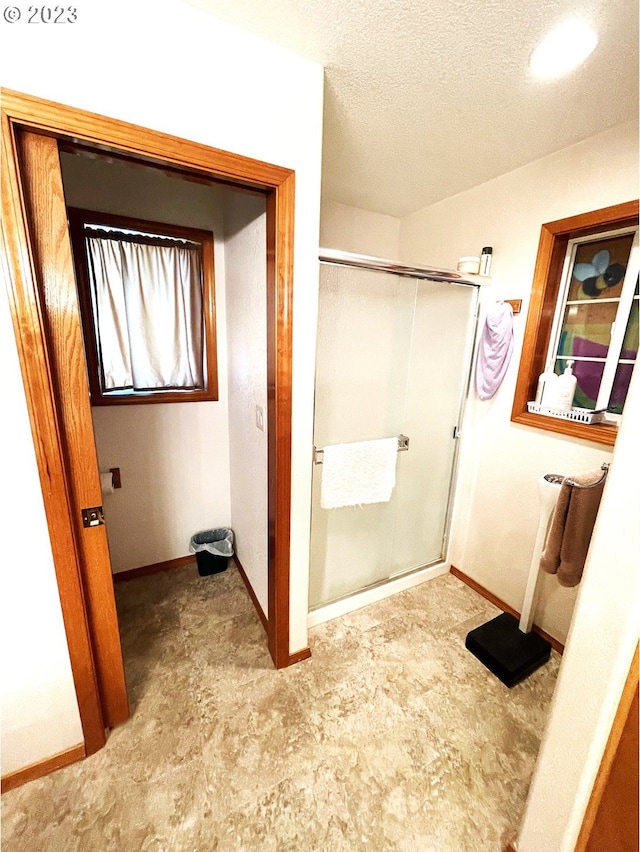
(358, 473)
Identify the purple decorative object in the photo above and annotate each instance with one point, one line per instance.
(494, 351)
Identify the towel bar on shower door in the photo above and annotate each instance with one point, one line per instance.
(403, 447)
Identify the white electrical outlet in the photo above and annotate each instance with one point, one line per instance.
(260, 417)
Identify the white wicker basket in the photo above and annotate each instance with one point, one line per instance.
(579, 415)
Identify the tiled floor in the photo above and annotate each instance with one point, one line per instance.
(392, 737)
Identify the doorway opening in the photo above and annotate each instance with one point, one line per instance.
(184, 464)
(46, 320)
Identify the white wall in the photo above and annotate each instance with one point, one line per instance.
(496, 510)
(245, 247)
(219, 85)
(359, 231)
(173, 459)
(600, 648)
(39, 709)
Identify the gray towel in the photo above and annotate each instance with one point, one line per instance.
(571, 526)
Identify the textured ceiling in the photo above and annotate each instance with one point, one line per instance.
(426, 98)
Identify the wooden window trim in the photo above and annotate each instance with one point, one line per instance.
(554, 238)
(78, 218)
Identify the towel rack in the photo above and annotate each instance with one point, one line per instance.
(548, 493)
(403, 447)
(604, 467)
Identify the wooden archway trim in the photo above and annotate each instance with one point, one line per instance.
(22, 112)
(76, 126)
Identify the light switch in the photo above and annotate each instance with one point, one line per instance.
(260, 417)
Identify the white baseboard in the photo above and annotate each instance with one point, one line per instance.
(376, 593)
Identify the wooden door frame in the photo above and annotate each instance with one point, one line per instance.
(622, 719)
(21, 112)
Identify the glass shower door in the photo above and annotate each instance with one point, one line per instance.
(392, 358)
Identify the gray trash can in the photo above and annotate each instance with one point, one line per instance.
(213, 550)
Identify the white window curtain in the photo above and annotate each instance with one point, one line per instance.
(148, 313)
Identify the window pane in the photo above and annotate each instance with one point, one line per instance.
(591, 321)
(589, 378)
(629, 353)
(599, 268)
(620, 388)
(586, 333)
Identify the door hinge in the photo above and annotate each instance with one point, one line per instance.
(456, 432)
(93, 517)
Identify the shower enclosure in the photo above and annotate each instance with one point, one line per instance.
(394, 352)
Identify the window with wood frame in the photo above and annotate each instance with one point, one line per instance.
(146, 293)
(584, 308)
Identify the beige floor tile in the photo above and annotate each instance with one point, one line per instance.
(391, 737)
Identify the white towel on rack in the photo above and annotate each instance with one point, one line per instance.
(358, 473)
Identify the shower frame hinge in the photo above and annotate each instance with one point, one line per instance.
(456, 432)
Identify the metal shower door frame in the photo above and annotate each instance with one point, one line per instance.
(426, 273)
